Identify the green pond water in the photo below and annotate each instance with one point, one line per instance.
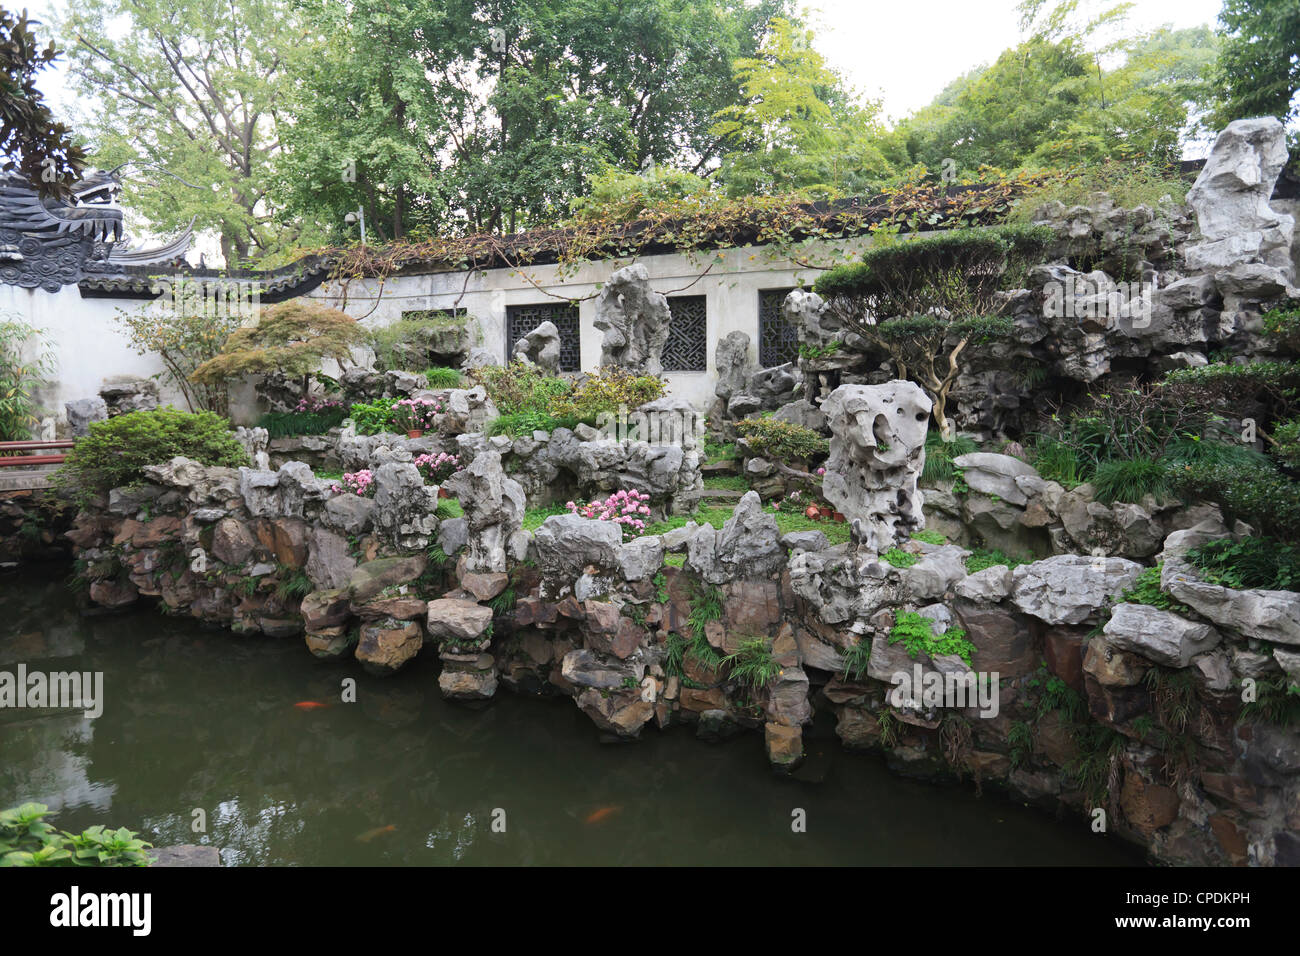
(197, 718)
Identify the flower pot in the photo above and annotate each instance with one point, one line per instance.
(414, 432)
(838, 516)
(812, 513)
(444, 493)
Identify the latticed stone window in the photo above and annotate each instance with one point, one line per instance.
(522, 319)
(778, 340)
(687, 348)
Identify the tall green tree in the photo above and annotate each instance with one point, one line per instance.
(493, 115)
(1067, 94)
(797, 128)
(1259, 60)
(191, 92)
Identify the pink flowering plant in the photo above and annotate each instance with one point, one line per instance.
(437, 468)
(627, 507)
(360, 483)
(417, 414)
(314, 404)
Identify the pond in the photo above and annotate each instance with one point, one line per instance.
(201, 719)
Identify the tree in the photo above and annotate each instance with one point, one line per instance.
(1259, 60)
(797, 128)
(924, 302)
(1066, 95)
(35, 145)
(191, 90)
(290, 339)
(493, 115)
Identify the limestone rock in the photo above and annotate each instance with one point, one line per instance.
(634, 319)
(1069, 588)
(1160, 636)
(540, 347)
(877, 452)
(385, 646)
(458, 621)
(1266, 615)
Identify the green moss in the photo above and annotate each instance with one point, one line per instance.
(930, 537)
(900, 558)
(916, 634)
(982, 558)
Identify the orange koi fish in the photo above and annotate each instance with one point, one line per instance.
(376, 832)
(604, 813)
(310, 705)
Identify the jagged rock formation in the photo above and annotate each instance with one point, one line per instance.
(635, 321)
(541, 347)
(877, 453)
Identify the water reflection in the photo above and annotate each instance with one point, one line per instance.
(198, 719)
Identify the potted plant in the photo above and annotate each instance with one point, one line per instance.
(416, 415)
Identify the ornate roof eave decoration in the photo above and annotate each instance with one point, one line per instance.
(272, 285)
(168, 252)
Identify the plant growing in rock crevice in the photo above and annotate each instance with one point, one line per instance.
(752, 664)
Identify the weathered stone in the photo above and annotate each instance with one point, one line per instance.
(623, 713)
(584, 668)
(350, 514)
(540, 347)
(325, 609)
(1159, 636)
(328, 643)
(1267, 615)
(988, 586)
(484, 587)
(1147, 806)
(374, 576)
(457, 621)
(1113, 667)
(784, 744)
(992, 474)
(876, 455)
(330, 562)
(1003, 640)
(635, 321)
(747, 546)
(1069, 588)
(232, 542)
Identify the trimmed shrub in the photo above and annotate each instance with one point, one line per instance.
(115, 451)
(780, 440)
(607, 391)
(1258, 494)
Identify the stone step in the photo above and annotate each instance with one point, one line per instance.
(722, 494)
(727, 466)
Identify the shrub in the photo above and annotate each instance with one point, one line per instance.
(372, 418)
(939, 455)
(291, 338)
(416, 414)
(1283, 326)
(1287, 436)
(1258, 494)
(437, 468)
(1129, 481)
(753, 664)
(184, 339)
(782, 441)
(1128, 184)
(916, 633)
(519, 387)
(982, 558)
(311, 416)
(1146, 590)
(1256, 562)
(923, 302)
(519, 424)
(116, 450)
(439, 377)
(27, 839)
(25, 360)
(607, 391)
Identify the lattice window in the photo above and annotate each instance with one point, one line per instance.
(778, 340)
(522, 319)
(687, 347)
